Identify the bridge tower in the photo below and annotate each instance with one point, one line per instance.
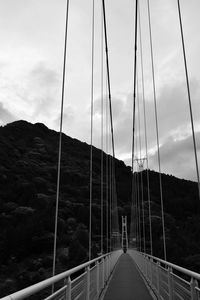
(124, 234)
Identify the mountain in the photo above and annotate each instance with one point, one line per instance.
(28, 176)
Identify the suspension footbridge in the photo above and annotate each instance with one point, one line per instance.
(126, 267)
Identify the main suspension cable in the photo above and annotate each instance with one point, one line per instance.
(157, 133)
(189, 96)
(60, 141)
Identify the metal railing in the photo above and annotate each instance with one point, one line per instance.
(89, 284)
(168, 281)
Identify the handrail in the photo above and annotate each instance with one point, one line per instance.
(163, 280)
(26, 292)
(175, 267)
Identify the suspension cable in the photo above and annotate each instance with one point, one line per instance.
(140, 173)
(138, 207)
(60, 141)
(136, 210)
(107, 173)
(110, 202)
(108, 78)
(134, 205)
(109, 88)
(134, 179)
(145, 131)
(138, 162)
(189, 96)
(137, 189)
(134, 79)
(91, 132)
(102, 133)
(157, 132)
(143, 215)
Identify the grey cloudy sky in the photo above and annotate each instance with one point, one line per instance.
(31, 56)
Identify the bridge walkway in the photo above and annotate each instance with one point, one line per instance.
(126, 282)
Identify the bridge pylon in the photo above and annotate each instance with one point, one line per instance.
(124, 234)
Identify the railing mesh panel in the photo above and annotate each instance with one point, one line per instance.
(101, 275)
(181, 288)
(78, 288)
(93, 283)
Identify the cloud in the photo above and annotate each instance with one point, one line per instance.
(32, 94)
(173, 117)
(5, 115)
(174, 127)
(43, 92)
(122, 120)
(43, 76)
(173, 113)
(68, 119)
(177, 157)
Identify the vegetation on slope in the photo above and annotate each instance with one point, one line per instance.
(28, 176)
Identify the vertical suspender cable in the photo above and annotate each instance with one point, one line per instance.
(109, 88)
(189, 96)
(60, 143)
(138, 207)
(134, 193)
(157, 133)
(108, 79)
(110, 203)
(145, 134)
(137, 191)
(107, 174)
(143, 216)
(134, 79)
(140, 173)
(91, 133)
(102, 122)
(136, 210)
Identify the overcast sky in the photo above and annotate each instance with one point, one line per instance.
(31, 57)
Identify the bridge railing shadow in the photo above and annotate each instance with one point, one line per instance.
(167, 280)
(88, 284)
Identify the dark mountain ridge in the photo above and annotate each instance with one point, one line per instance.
(28, 176)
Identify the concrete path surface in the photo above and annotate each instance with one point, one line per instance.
(126, 283)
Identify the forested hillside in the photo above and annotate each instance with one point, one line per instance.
(28, 176)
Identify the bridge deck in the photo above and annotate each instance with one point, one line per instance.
(126, 282)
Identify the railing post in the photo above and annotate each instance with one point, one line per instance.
(106, 265)
(158, 277)
(170, 283)
(151, 271)
(88, 283)
(109, 265)
(146, 266)
(148, 269)
(68, 290)
(111, 262)
(143, 264)
(98, 279)
(103, 271)
(193, 285)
